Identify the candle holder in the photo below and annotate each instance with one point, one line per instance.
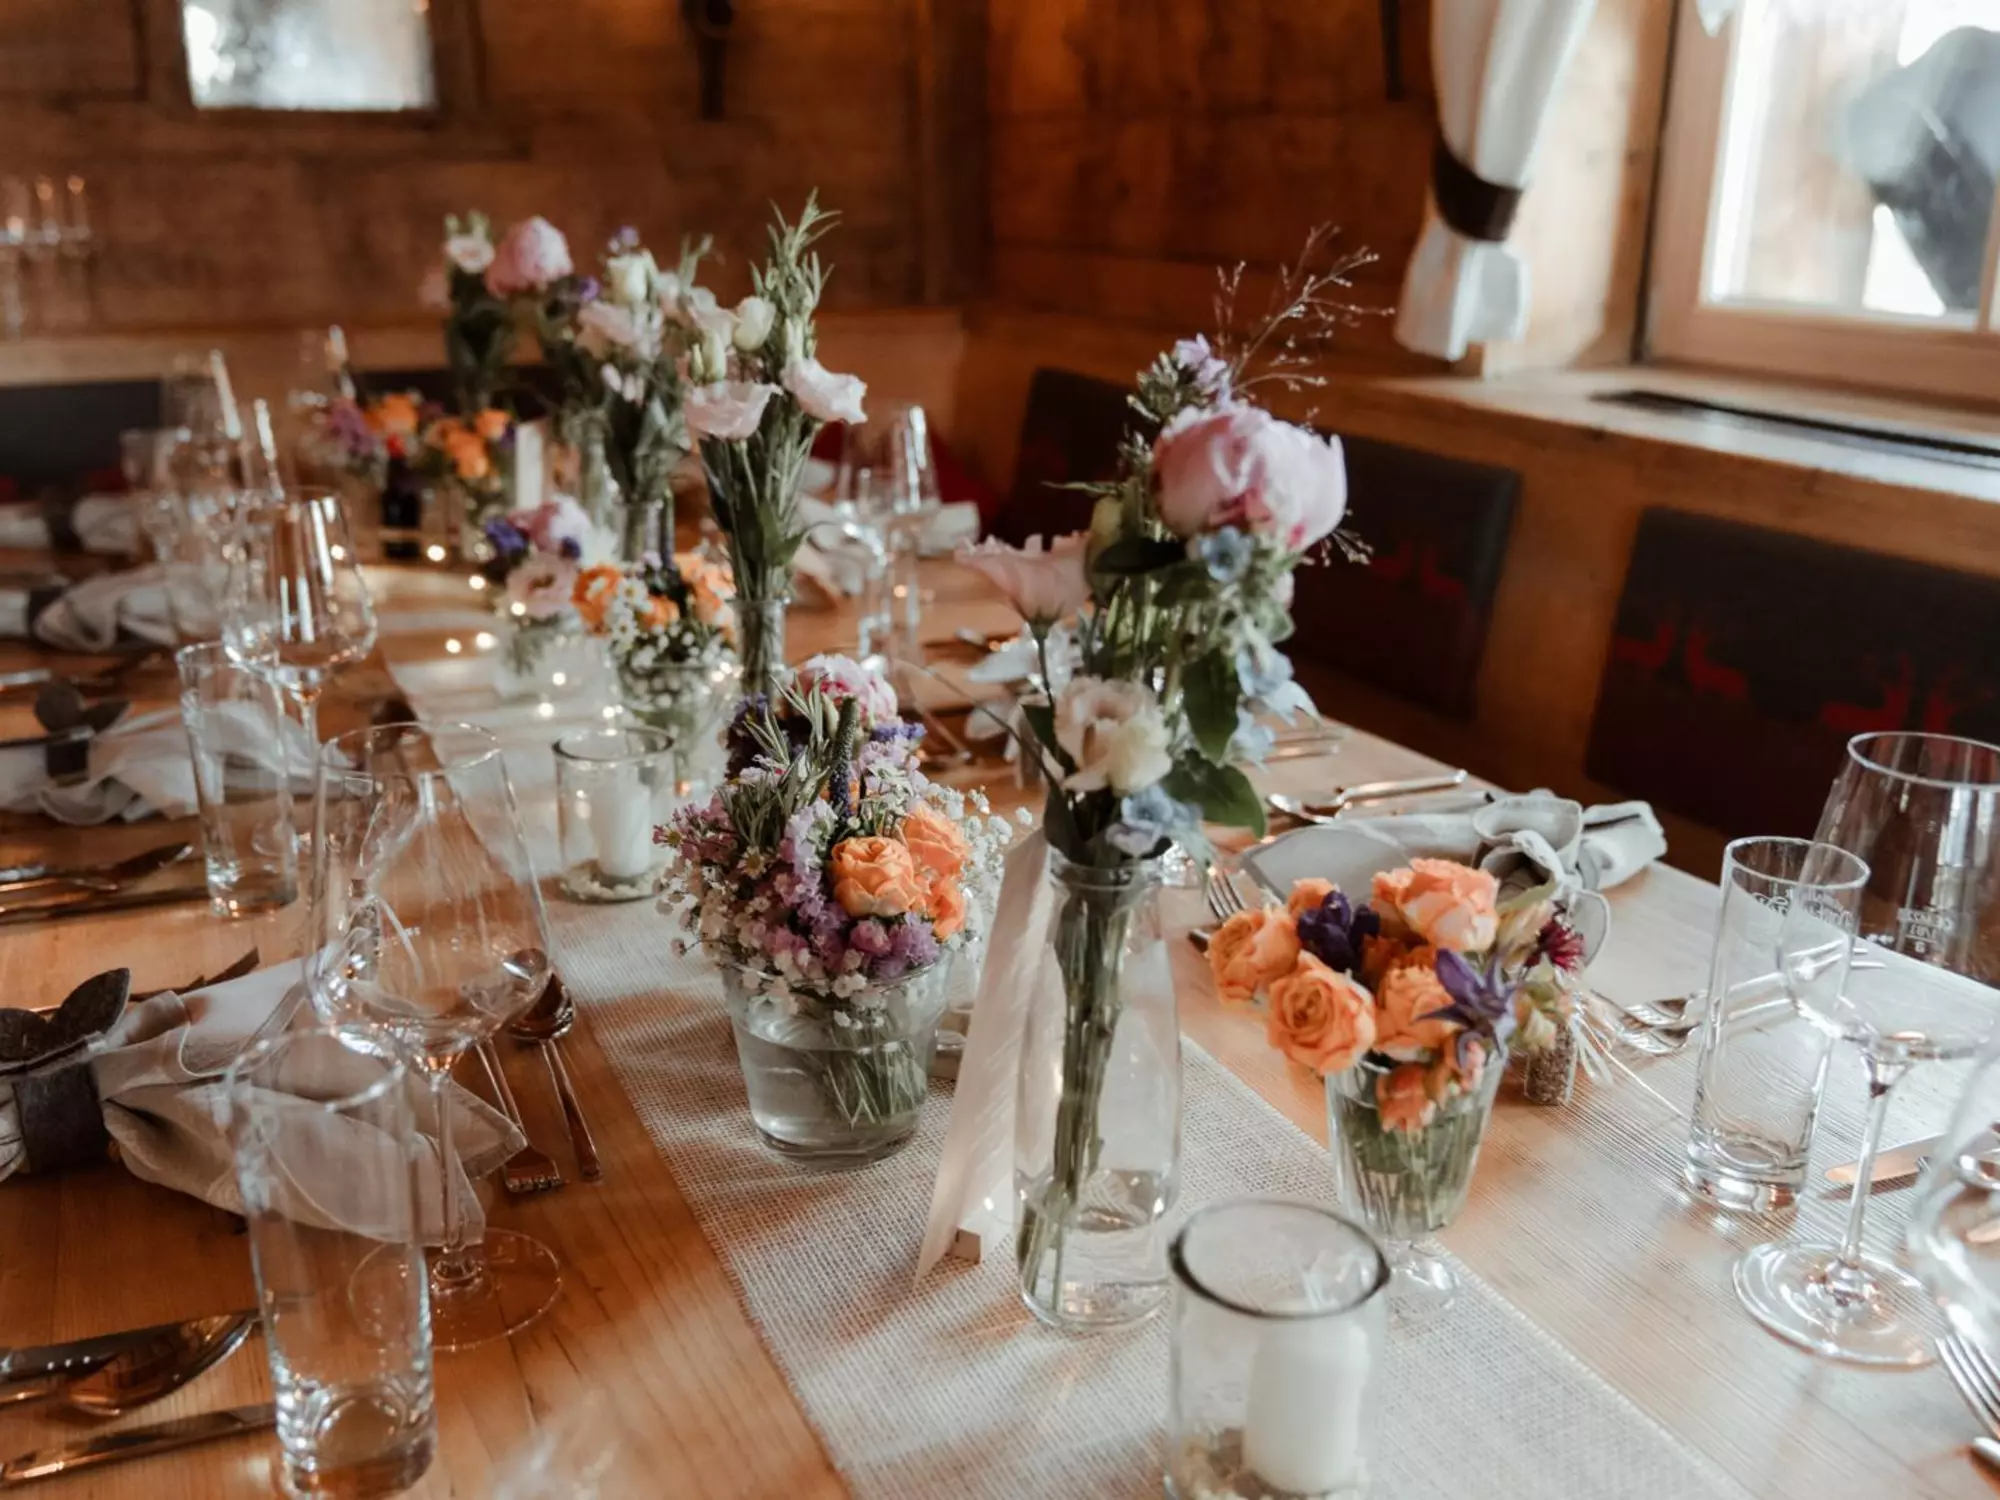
(614, 786)
(1280, 1327)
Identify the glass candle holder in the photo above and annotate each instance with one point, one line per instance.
(614, 786)
(1280, 1330)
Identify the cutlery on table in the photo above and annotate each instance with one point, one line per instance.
(115, 1372)
(1328, 809)
(1897, 1162)
(545, 1025)
(46, 906)
(1977, 1381)
(137, 1442)
(104, 878)
(527, 1170)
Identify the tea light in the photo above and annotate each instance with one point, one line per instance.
(614, 786)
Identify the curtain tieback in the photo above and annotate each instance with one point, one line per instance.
(1476, 208)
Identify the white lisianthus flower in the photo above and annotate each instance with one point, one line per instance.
(823, 394)
(754, 319)
(471, 253)
(628, 279)
(602, 326)
(1115, 733)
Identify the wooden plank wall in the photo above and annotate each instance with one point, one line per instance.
(585, 110)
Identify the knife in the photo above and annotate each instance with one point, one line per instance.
(137, 1442)
(79, 1356)
(1898, 1161)
(115, 873)
(87, 903)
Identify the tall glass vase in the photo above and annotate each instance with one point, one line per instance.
(597, 489)
(1098, 1119)
(761, 624)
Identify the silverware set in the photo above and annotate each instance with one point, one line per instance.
(37, 892)
(1329, 809)
(531, 1170)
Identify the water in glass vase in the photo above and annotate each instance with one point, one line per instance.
(1109, 1266)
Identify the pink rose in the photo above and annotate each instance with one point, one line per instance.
(840, 678)
(552, 524)
(1240, 466)
(1044, 586)
(542, 586)
(531, 254)
(823, 394)
(729, 410)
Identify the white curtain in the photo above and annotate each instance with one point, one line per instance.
(1496, 64)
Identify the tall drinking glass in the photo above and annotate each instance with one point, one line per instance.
(297, 595)
(325, 1158)
(239, 741)
(1919, 815)
(429, 926)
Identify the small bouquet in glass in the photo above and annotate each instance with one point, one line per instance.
(1407, 1003)
(535, 559)
(1180, 591)
(834, 885)
(758, 398)
(669, 624)
(471, 459)
(477, 285)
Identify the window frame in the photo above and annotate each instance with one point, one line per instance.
(1885, 351)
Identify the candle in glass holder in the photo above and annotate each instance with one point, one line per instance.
(614, 786)
(621, 823)
(1302, 1415)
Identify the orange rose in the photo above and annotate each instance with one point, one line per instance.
(935, 842)
(468, 455)
(593, 594)
(1409, 992)
(711, 585)
(492, 424)
(1402, 1099)
(1307, 895)
(1320, 1017)
(1249, 951)
(875, 877)
(945, 906)
(1378, 956)
(1446, 904)
(394, 414)
(1448, 1076)
(660, 612)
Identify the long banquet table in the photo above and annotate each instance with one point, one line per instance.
(1574, 1224)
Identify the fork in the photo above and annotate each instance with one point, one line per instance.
(527, 1170)
(1977, 1381)
(1224, 899)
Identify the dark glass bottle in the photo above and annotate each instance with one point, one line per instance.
(402, 513)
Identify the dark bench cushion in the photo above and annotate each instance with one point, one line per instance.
(1742, 661)
(65, 437)
(1070, 435)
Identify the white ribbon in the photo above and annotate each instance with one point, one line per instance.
(974, 1191)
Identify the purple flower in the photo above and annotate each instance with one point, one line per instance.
(508, 539)
(572, 549)
(1333, 931)
(870, 937)
(1482, 999)
(587, 289)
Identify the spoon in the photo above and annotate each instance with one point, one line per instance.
(552, 1017)
(1331, 808)
(143, 1372)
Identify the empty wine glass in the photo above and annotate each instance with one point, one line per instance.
(297, 596)
(1919, 816)
(428, 924)
(1954, 1233)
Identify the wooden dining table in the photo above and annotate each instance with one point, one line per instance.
(650, 1340)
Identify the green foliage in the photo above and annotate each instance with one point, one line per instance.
(1223, 793)
(1211, 693)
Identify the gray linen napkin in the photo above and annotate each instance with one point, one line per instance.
(159, 1072)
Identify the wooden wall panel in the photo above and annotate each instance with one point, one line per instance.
(68, 49)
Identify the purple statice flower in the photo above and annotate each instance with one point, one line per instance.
(1333, 931)
(799, 846)
(912, 946)
(587, 290)
(870, 937)
(1482, 1001)
(508, 539)
(1210, 374)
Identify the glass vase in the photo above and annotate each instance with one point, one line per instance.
(534, 658)
(688, 702)
(597, 489)
(761, 624)
(836, 1084)
(1407, 1184)
(1098, 1118)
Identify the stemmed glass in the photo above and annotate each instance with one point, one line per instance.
(1918, 817)
(428, 924)
(1954, 1233)
(297, 597)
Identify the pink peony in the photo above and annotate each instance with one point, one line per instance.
(729, 410)
(841, 677)
(1240, 466)
(531, 254)
(542, 586)
(1044, 586)
(823, 394)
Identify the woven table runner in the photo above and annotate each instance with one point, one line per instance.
(952, 1389)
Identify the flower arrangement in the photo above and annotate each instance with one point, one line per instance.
(758, 398)
(670, 623)
(1433, 979)
(536, 557)
(1181, 590)
(826, 872)
(619, 343)
(474, 284)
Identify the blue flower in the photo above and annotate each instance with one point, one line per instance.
(1334, 930)
(1144, 819)
(1252, 741)
(1225, 552)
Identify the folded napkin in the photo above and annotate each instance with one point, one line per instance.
(156, 1075)
(104, 524)
(141, 766)
(95, 614)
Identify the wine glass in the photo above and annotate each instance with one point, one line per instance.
(1919, 816)
(297, 597)
(1954, 1232)
(428, 924)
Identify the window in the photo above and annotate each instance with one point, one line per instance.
(347, 55)
(1827, 194)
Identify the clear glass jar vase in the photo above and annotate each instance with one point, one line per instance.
(1098, 1115)
(837, 1084)
(689, 703)
(1407, 1184)
(760, 623)
(534, 658)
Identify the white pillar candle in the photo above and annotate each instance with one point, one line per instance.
(621, 823)
(1302, 1413)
